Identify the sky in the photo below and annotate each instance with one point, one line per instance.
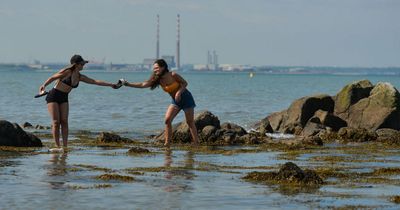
(356, 33)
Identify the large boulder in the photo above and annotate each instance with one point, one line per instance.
(11, 134)
(328, 119)
(349, 95)
(299, 112)
(380, 110)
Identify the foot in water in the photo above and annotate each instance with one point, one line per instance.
(57, 150)
(167, 144)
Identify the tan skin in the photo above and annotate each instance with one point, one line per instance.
(172, 111)
(59, 112)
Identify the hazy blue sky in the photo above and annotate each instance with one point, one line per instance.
(270, 32)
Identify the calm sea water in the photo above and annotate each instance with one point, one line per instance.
(233, 97)
(58, 181)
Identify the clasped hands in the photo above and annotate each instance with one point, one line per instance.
(120, 83)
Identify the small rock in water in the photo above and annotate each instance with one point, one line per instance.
(138, 150)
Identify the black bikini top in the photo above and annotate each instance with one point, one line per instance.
(68, 81)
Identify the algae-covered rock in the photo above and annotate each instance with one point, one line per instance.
(380, 110)
(11, 134)
(395, 199)
(347, 134)
(117, 177)
(138, 150)
(107, 137)
(289, 173)
(351, 94)
(389, 136)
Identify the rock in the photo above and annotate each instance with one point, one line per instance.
(208, 134)
(138, 150)
(265, 127)
(236, 129)
(329, 120)
(107, 137)
(11, 134)
(313, 140)
(206, 118)
(181, 132)
(276, 119)
(299, 112)
(357, 105)
(41, 127)
(249, 139)
(328, 136)
(289, 173)
(380, 110)
(312, 128)
(389, 136)
(27, 125)
(347, 134)
(349, 95)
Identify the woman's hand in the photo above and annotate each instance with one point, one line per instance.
(41, 89)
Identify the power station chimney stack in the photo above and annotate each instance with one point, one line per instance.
(158, 38)
(178, 62)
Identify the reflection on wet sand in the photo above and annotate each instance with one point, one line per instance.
(57, 170)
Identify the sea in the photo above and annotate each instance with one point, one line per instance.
(233, 97)
(29, 181)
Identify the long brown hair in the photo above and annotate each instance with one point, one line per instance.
(155, 79)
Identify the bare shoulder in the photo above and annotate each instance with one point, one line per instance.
(175, 74)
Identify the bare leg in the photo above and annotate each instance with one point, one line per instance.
(54, 112)
(189, 115)
(64, 110)
(170, 114)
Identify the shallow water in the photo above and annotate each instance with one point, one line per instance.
(187, 179)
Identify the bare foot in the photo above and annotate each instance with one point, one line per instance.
(166, 143)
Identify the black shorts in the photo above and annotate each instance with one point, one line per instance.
(57, 96)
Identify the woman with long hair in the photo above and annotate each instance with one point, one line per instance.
(182, 99)
(66, 79)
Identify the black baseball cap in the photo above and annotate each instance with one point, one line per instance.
(77, 59)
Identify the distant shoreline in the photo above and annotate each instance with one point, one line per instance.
(282, 70)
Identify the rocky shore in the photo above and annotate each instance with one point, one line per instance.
(332, 137)
(359, 112)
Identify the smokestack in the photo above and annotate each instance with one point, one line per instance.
(178, 62)
(158, 38)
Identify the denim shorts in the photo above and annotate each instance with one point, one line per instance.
(186, 101)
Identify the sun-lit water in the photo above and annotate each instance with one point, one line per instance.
(56, 181)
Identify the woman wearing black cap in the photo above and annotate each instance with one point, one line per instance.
(57, 98)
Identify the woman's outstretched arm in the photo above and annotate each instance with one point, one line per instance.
(89, 80)
(144, 84)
